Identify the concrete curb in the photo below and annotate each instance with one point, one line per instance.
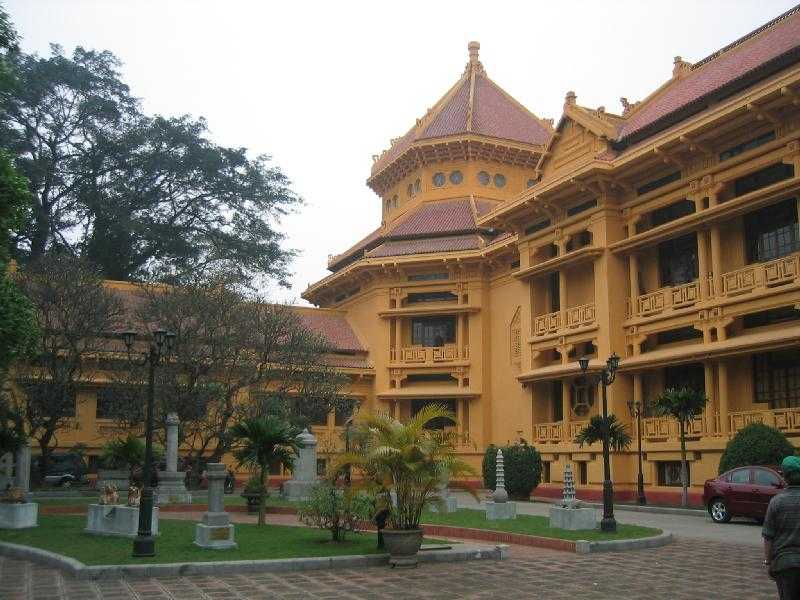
(584, 547)
(664, 510)
(77, 569)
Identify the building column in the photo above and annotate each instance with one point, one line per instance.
(722, 376)
(562, 297)
(716, 260)
(702, 264)
(566, 395)
(633, 266)
(710, 412)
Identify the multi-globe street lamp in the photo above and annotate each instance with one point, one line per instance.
(159, 349)
(636, 408)
(606, 377)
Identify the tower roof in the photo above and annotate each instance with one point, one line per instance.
(475, 105)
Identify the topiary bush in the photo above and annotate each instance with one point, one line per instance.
(755, 444)
(522, 466)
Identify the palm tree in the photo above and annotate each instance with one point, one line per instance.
(410, 458)
(595, 431)
(259, 442)
(683, 404)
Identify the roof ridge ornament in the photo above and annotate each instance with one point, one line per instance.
(474, 63)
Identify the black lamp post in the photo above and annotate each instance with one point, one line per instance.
(606, 376)
(159, 349)
(347, 427)
(635, 408)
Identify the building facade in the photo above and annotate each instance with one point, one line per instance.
(511, 246)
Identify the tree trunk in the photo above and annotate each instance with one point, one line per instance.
(41, 232)
(684, 473)
(44, 457)
(262, 501)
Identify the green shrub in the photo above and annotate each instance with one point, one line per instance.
(338, 510)
(127, 453)
(755, 444)
(253, 486)
(522, 466)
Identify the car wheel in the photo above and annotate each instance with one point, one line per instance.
(718, 509)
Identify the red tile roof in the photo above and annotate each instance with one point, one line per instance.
(734, 62)
(333, 327)
(437, 217)
(427, 245)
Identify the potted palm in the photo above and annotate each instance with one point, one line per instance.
(252, 493)
(259, 442)
(405, 464)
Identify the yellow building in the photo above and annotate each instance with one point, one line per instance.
(509, 248)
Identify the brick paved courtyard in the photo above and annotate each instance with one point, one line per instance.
(685, 569)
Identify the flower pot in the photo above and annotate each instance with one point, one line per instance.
(253, 501)
(403, 546)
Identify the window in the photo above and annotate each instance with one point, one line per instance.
(671, 212)
(579, 208)
(555, 291)
(546, 472)
(456, 177)
(583, 473)
(582, 398)
(438, 179)
(515, 336)
(669, 473)
(692, 376)
(431, 378)
(484, 178)
(558, 401)
(117, 400)
(499, 180)
(50, 397)
(657, 183)
(537, 227)
(772, 231)
(322, 466)
(677, 260)
(341, 414)
(440, 423)
(318, 418)
(410, 190)
(739, 476)
(771, 317)
(763, 178)
(432, 297)
(433, 331)
(681, 334)
(777, 379)
(417, 185)
(428, 276)
(764, 477)
(530, 183)
(748, 145)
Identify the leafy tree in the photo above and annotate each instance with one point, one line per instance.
(74, 313)
(260, 442)
(523, 469)
(755, 444)
(229, 344)
(683, 405)
(407, 458)
(597, 428)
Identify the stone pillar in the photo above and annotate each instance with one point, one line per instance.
(566, 401)
(499, 507)
(172, 483)
(708, 371)
(22, 468)
(562, 297)
(304, 474)
(703, 266)
(722, 376)
(6, 470)
(215, 530)
(633, 267)
(716, 260)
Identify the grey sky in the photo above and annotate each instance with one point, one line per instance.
(324, 86)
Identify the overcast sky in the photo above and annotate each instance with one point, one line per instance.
(321, 87)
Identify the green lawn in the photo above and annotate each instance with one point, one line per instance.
(532, 525)
(65, 535)
(230, 500)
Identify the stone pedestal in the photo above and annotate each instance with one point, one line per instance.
(447, 503)
(573, 519)
(496, 511)
(172, 488)
(215, 531)
(6, 470)
(116, 520)
(304, 474)
(117, 477)
(22, 469)
(18, 516)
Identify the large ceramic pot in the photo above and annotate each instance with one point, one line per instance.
(403, 546)
(253, 501)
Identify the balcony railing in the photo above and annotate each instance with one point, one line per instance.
(555, 432)
(667, 427)
(783, 419)
(576, 316)
(667, 298)
(761, 276)
(420, 355)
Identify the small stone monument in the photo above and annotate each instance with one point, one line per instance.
(172, 483)
(569, 514)
(109, 517)
(22, 468)
(304, 475)
(16, 510)
(216, 530)
(499, 508)
(447, 503)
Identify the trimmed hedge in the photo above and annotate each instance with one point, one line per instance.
(522, 466)
(755, 444)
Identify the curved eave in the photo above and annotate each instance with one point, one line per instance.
(456, 147)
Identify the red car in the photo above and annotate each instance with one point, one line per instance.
(742, 492)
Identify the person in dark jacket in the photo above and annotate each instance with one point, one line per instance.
(781, 533)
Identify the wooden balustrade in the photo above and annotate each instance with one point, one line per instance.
(761, 276)
(579, 316)
(783, 419)
(547, 323)
(668, 428)
(575, 316)
(678, 296)
(421, 355)
(555, 432)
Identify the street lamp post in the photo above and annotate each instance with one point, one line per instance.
(347, 427)
(635, 408)
(158, 350)
(606, 376)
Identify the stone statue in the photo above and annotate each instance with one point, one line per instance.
(109, 495)
(13, 495)
(499, 507)
(134, 496)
